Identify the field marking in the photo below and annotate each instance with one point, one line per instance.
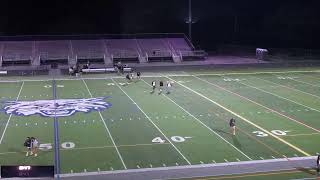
(272, 110)
(288, 87)
(5, 128)
(199, 121)
(93, 147)
(105, 125)
(182, 75)
(281, 97)
(248, 121)
(252, 175)
(153, 123)
(305, 83)
(304, 134)
(224, 164)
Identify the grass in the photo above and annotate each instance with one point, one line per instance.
(276, 115)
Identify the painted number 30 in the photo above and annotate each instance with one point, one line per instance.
(275, 132)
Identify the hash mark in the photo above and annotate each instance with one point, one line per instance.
(213, 161)
(201, 162)
(177, 164)
(284, 156)
(238, 160)
(226, 160)
(262, 158)
(273, 157)
(138, 166)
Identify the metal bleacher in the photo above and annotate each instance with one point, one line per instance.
(98, 50)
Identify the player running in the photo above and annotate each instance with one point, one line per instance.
(168, 87)
(153, 84)
(128, 77)
(27, 144)
(138, 75)
(232, 124)
(34, 146)
(160, 87)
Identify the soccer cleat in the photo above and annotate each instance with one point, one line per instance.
(27, 154)
(35, 155)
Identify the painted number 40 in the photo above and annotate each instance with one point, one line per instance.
(275, 132)
(177, 139)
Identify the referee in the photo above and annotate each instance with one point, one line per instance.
(232, 124)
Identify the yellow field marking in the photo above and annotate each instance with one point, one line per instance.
(243, 118)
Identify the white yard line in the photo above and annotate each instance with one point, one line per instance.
(288, 87)
(305, 83)
(204, 124)
(254, 102)
(153, 123)
(281, 97)
(4, 131)
(243, 118)
(105, 125)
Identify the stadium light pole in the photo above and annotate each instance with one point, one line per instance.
(190, 21)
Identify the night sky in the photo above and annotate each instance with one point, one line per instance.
(272, 23)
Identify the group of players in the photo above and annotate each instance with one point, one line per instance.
(31, 143)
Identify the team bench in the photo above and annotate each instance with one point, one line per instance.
(104, 70)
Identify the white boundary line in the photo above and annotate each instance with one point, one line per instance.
(243, 118)
(190, 166)
(204, 124)
(182, 75)
(4, 131)
(153, 123)
(105, 125)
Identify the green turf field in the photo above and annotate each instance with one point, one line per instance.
(277, 115)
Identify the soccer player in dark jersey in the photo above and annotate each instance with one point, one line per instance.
(153, 84)
(232, 124)
(138, 75)
(27, 144)
(128, 77)
(160, 87)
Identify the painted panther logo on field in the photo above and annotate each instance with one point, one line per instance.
(55, 108)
